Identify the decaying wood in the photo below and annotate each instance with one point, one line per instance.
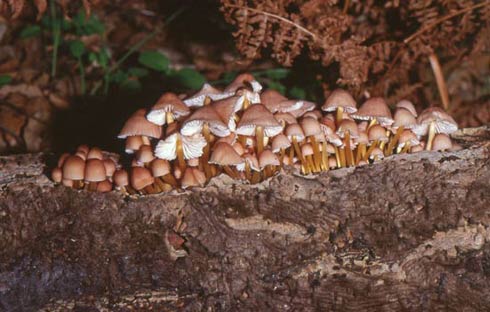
(409, 233)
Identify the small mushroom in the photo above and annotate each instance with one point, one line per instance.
(340, 101)
(225, 155)
(144, 155)
(137, 124)
(442, 142)
(377, 135)
(121, 180)
(250, 163)
(74, 170)
(295, 134)
(142, 180)
(193, 177)
(406, 104)
(168, 108)
(133, 144)
(162, 172)
(280, 143)
(285, 119)
(204, 96)
(268, 163)
(94, 173)
(110, 168)
(348, 130)
(404, 119)
(376, 110)
(181, 147)
(104, 186)
(247, 88)
(57, 175)
(95, 153)
(307, 152)
(432, 121)
(311, 128)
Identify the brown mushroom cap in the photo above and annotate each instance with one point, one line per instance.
(377, 152)
(206, 114)
(193, 177)
(110, 167)
(62, 159)
(83, 148)
(82, 155)
(406, 104)
(95, 170)
(244, 80)
(104, 186)
(307, 149)
(251, 160)
(95, 153)
(121, 177)
(133, 143)
(363, 138)
(348, 125)
(441, 142)
(258, 116)
(267, 157)
(375, 108)
(271, 99)
(167, 103)
(405, 118)
(207, 91)
(57, 175)
(160, 167)
(137, 124)
(140, 177)
(285, 118)
(226, 110)
(340, 98)
(377, 132)
(295, 130)
(145, 154)
(74, 168)
(443, 122)
(310, 126)
(224, 154)
(408, 136)
(279, 142)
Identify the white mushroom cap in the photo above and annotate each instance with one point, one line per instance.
(209, 91)
(206, 114)
(192, 146)
(255, 116)
(374, 108)
(340, 98)
(167, 103)
(406, 104)
(443, 122)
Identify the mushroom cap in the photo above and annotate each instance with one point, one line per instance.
(225, 155)
(307, 149)
(206, 114)
(403, 117)
(375, 108)
(140, 177)
(267, 157)
(251, 160)
(57, 175)
(441, 142)
(280, 141)
(226, 110)
(313, 114)
(133, 143)
(417, 148)
(258, 116)
(271, 99)
(363, 138)
(83, 148)
(145, 154)
(244, 80)
(285, 118)
(159, 167)
(230, 139)
(207, 90)
(73, 168)
(330, 149)
(326, 121)
(238, 147)
(82, 155)
(408, 136)
(95, 153)
(348, 125)
(363, 126)
(67, 182)
(137, 124)
(406, 104)
(304, 107)
(110, 167)
(121, 177)
(62, 159)
(377, 132)
(332, 162)
(193, 162)
(310, 126)
(443, 122)
(192, 146)
(95, 170)
(193, 177)
(104, 186)
(377, 152)
(295, 130)
(167, 103)
(340, 98)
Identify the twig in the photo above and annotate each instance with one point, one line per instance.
(445, 18)
(346, 6)
(441, 83)
(285, 20)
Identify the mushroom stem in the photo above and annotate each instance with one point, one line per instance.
(92, 186)
(169, 118)
(405, 148)
(180, 155)
(372, 123)
(370, 150)
(259, 134)
(340, 114)
(149, 189)
(297, 150)
(342, 157)
(361, 149)
(267, 171)
(170, 179)
(248, 173)
(348, 151)
(246, 103)
(324, 157)
(230, 172)
(146, 140)
(337, 155)
(255, 177)
(310, 164)
(207, 100)
(317, 157)
(159, 184)
(430, 137)
(394, 140)
(282, 154)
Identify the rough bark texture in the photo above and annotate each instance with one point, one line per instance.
(409, 233)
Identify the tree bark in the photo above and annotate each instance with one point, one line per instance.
(409, 233)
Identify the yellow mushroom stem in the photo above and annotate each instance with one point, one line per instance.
(342, 157)
(169, 118)
(370, 150)
(282, 154)
(340, 115)
(406, 148)
(430, 137)
(149, 189)
(372, 123)
(310, 164)
(255, 177)
(394, 140)
(246, 103)
(92, 186)
(230, 172)
(146, 140)
(259, 135)
(248, 172)
(297, 150)
(348, 150)
(324, 157)
(205, 156)
(207, 100)
(337, 156)
(180, 155)
(361, 150)
(317, 156)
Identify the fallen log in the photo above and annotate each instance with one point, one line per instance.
(407, 233)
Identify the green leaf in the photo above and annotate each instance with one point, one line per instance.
(138, 72)
(154, 60)
(119, 77)
(77, 48)
(30, 31)
(190, 78)
(131, 85)
(277, 73)
(4, 80)
(277, 86)
(297, 92)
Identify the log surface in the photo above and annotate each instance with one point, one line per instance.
(410, 233)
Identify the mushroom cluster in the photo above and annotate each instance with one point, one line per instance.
(250, 134)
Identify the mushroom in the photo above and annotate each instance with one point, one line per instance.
(268, 162)
(121, 179)
(250, 163)
(193, 177)
(95, 153)
(247, 88)
(362, 141)
(376, 154)
(137, 124)
(258, 121)
(57, 175)
(406, 104)
(285, 119)
(295, 134)
(348, 130)
(74, 170)
(168, 108)
(311, 128)
(161, 170)
(144, 155)
(104, 186)
(62, 159)
(280, 143)
(225, 155)
(110, 168)
(204, 96)
(227, 109)
(376, 110)
(133, 143)
(442, 142)
(142, 180)
(94, 173)
(376, 134)
(181, 147)
(339, 101)
(206, 120)
(407, 140)
(307, 152)
(403, 119)
(432, 121)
